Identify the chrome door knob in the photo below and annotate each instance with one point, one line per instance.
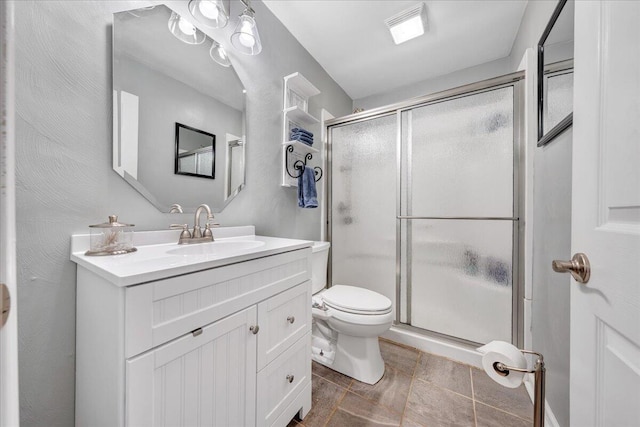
(254, 329)
(579, 267)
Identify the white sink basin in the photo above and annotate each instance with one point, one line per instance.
(219, 248)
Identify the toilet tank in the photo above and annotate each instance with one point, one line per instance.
(319, 259)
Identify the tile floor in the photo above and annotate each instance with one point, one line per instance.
(417, 389)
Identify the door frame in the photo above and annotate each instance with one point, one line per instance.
(9, 398)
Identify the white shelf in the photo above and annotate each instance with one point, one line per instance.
(297, 91)
(296, 114)
(301, 147)
(300, 85)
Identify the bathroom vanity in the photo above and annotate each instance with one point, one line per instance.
(207, 334)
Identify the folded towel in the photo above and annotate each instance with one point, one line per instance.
(300, 130)
(307, 194)
(301, 138)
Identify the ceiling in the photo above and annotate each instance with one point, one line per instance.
(352, 43)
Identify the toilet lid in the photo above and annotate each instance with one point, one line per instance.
(354, 299)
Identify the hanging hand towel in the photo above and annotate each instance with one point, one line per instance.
(307, 194)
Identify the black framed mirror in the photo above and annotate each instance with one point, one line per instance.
(555, 74)
(195, 152)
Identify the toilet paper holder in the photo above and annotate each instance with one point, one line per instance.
(539, 373)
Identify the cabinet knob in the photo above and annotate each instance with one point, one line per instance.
(290, 378)
(254, 329)
(291, 319)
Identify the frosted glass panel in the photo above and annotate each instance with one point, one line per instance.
(559, 99)
(461, 282)
(462, 156)
(363, 207)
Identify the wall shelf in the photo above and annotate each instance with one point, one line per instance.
(295, 154)
(301, 147)
(299, 116)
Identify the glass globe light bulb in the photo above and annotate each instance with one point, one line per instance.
(208, 9)
(246, 38)
(186, 27)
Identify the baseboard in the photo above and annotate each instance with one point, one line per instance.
(549, 418)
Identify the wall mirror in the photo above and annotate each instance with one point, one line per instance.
(161, 81)
(555, 74)
(195, 152)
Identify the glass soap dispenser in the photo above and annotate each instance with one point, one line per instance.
(111, 238)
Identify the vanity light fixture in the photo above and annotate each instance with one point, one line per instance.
(245, 37)
(211, 13)
(408, 24)
(184, 30)
(218, 54)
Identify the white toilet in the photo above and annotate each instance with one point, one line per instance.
(347, 321)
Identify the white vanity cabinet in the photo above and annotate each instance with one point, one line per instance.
(225, 346)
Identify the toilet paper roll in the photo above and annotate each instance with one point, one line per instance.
(500, 351)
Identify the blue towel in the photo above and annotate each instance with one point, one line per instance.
(307, 194)
(302, 138)
(300, 130)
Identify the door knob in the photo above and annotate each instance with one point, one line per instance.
(579, 267)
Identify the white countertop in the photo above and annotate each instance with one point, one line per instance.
(153, 259)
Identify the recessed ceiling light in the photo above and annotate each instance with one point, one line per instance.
(408, 24)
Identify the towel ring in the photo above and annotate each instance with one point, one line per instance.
(300, 165)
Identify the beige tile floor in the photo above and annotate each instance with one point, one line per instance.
(417, 390)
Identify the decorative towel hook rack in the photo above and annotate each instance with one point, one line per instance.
(300, 165)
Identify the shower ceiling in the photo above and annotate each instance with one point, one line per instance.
(352, 43)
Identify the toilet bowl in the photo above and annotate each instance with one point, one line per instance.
(347, 321)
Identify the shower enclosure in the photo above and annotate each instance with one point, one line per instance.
(423, 209)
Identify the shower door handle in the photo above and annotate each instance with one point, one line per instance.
(579, 267)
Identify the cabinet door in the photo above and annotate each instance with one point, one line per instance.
(283, 320)
(205, 379)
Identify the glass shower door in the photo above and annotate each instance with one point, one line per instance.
(363, 204)
(457, 216)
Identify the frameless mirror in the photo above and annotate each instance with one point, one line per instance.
(555, 73)
(178, 115)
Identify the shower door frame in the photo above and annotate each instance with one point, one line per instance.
(515, 80)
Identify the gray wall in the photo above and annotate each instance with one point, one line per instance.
(458, 78)
(65, 181)
(163, 101)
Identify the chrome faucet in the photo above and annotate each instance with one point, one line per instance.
(197, 235)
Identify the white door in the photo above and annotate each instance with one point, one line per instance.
(9, 414)
(605, 312)
(204, 379)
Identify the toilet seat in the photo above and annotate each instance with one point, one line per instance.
(354, 300)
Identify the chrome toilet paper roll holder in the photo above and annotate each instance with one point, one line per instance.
(539, 373)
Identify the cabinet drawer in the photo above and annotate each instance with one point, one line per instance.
(283, 320)
(283, 379)
(160, 311)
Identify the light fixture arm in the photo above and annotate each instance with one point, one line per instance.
(248, 8)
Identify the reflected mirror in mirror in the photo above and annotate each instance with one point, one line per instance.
(195, 152)
(555, 74)
(161, 80)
